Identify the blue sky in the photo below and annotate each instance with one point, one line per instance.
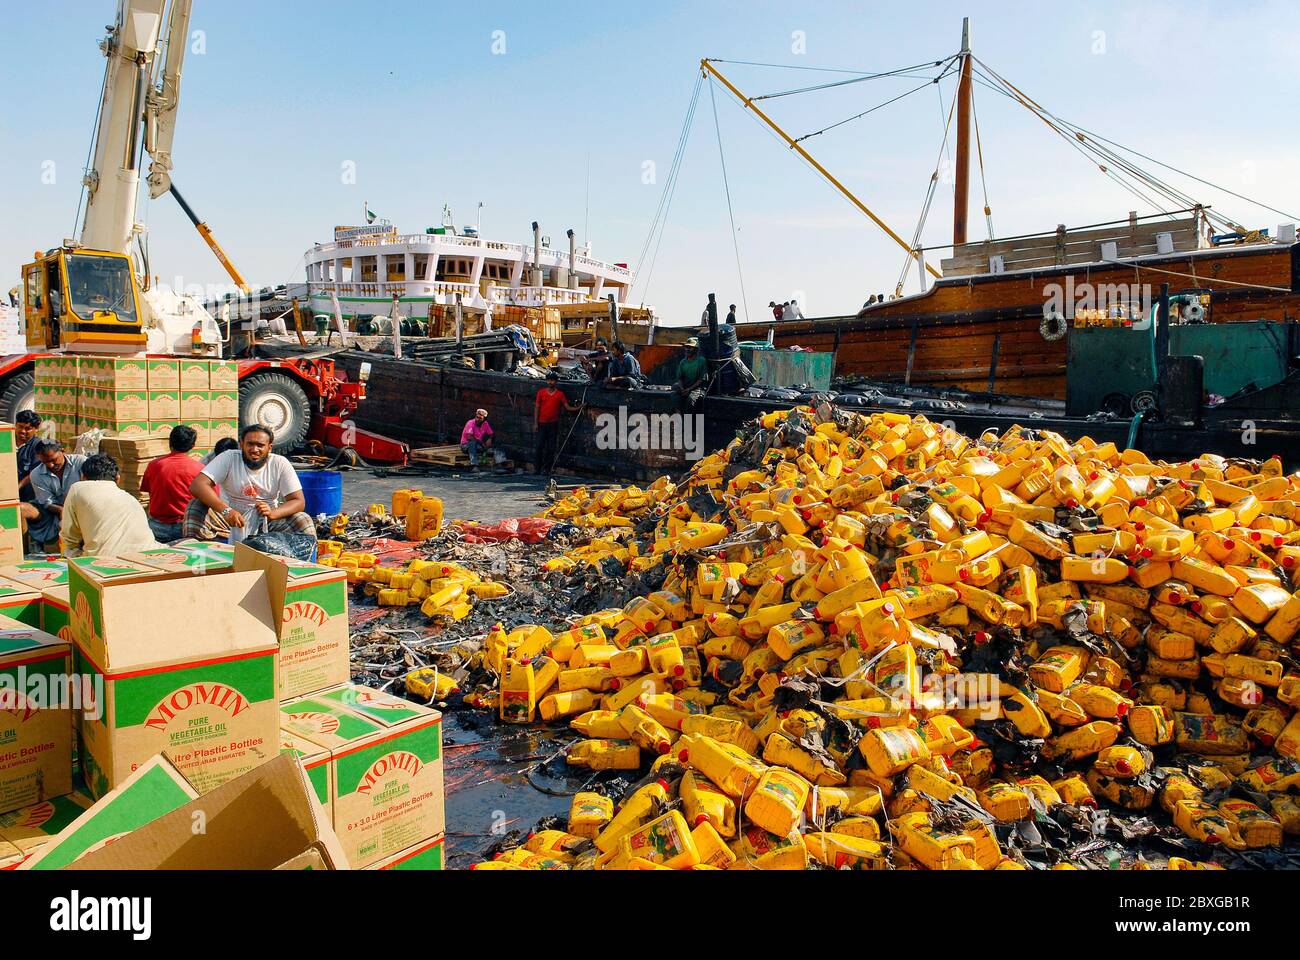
(561, 125)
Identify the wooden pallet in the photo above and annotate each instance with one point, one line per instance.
(452, 456)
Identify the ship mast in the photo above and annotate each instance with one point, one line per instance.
(961, 190)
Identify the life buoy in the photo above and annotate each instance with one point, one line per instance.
(1053, 327)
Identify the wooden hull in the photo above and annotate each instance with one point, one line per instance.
(982, 332)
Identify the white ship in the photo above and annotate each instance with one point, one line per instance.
(366, 266)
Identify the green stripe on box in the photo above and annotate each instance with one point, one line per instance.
(136, 697)
(149, 798)
(318, 775)
(350, 727)
(61, 811)
(26, 612)
(330, 597)
(6, 440)
(430, 859)
(390, 716)
(9, 517)
(424, 742)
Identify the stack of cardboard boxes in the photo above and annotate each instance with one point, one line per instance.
(260, 670)
(133, 458)
(139, 397)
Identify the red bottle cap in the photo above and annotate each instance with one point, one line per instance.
(615, 684)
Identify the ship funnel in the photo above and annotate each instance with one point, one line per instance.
(573, 261)
(537, 254)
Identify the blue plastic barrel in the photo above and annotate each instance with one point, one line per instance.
(323, 491)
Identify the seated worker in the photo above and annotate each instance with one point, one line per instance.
(476, 437)
(692, 381)
(624, 371)
(548, 406)
(597, 363)
(200, 523)
(167, 481)
(253, 489)
(100, 519)
(56, 473)
(27, 425)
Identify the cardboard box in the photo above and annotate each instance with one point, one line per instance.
(127, 373)
(310, 605)
(187, 666)
(35, 718)
(38, 574)
(223, 375)
(386, 755)
(164, 404)
(266, 819)
(21, 602)
(195, 374)
(155, 789)
(223, 428)
(202, 432)
(219, 556)
(126, 405)
(224, 405)
(11, 533)
(56, 612)
(195, 405)
(163, 375)
(29, 829)
(8, 463)
(429, 855)
(177, 560)
(10, 856)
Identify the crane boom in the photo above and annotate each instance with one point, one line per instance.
(114, 177)
(160, 108)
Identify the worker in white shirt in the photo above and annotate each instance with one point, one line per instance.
(100, 519)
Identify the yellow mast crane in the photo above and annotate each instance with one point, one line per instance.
(710, 70)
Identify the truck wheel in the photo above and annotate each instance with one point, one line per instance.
(277, 402)
(19, 394)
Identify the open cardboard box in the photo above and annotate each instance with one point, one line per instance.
(187, 667)
(268, 819)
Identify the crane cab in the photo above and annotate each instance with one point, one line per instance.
(83, 301)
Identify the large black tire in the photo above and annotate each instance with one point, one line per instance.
(19, 394)
(277, 402)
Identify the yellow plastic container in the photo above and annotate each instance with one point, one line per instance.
(666, 841)
(518, 692)
(889, 751)
(636, 810)
(604, 755)
(589, 813)
(777, 801)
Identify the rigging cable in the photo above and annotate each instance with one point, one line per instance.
(840, 123)
(979, 152)
(735, 237)
(1104, 158)
(901, 72)
(665, 199)
(929, 197)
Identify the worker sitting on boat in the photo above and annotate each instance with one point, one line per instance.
(624, 370)
(547, 408)
(692, 381)
(597, 362)
(100, 519)
(476, 438)
(259, 490)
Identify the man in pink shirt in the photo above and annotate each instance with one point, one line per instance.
(476, 436)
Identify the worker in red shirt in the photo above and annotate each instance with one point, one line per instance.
(167, 481)
(550, 403)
